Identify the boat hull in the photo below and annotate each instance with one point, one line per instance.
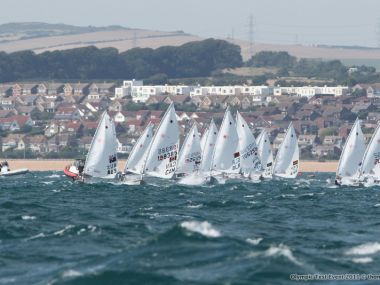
(15, 172)
(70, 174)
(131, 179)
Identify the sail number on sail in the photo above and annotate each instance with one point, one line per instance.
(196, 158)
(112, 166)
(251, 149)
(236, 161)
(171, 153)
(294, 168)
(377, 158)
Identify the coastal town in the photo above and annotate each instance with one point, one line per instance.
(57, 120)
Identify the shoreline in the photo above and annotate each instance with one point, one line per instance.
(59, 165)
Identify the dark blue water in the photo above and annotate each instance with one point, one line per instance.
(56, 232)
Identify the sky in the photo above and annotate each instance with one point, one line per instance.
(308, 22)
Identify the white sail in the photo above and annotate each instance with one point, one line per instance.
(137, 157)
(286, 164)
(204, 138)
(208, 147)
(352, 153)
(163, 151)
(249, 158)
(189, 158)
(226, 157)
(101, 161)
(371, 160)
(265, 153)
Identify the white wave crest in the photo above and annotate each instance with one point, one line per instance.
(81, 231)
(377, 205)
(287, 195)
(282, 250)
(195, 206)
(254, 241)
(40, 235)
(364, 249)
(61, 232)
(71, 273)
(26, 217)
(203, 228)
(307, 195)
(91, 228)
(362, 260)
(53, 176)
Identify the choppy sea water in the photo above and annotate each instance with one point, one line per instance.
(55, 232)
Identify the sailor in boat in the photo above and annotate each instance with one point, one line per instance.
(4, 166)
(338, 180)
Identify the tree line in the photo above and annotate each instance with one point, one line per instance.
(191, 63)
(289, 65)
(194, 59)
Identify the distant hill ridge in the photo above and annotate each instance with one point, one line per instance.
(40, 37)
(26, 30)
(64, 28)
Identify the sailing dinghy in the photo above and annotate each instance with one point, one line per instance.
(250, 165)
(286, 164)
(369, 172)
(226, 157)
(208, 145)
(190, 158)
(162, 156)
(101, 160)
(351, 158)
(134, 167)
(265, 153)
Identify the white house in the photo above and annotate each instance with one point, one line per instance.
(126, 88)
(121, 148)
(310, 91)
(141, 94)
(119, 117)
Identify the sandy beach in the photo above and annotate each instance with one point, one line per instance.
(57, 165)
